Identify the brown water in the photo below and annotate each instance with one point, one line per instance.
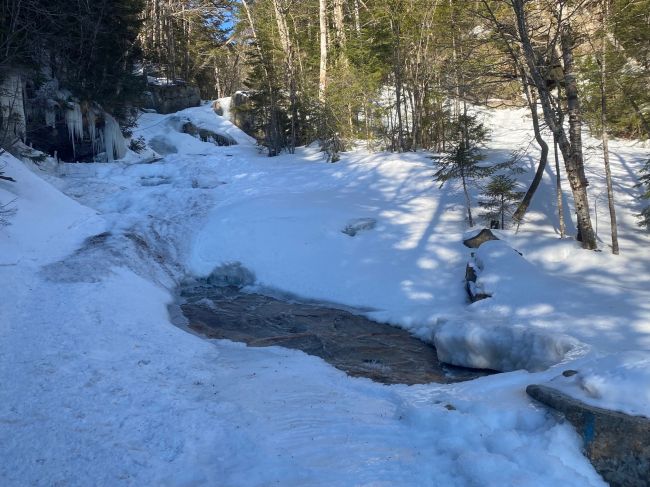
(348, 341)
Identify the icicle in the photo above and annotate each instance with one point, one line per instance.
(91, 119)
(74, 122)
(114, 141)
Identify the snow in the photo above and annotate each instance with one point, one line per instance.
(616, 381)
(99, 387)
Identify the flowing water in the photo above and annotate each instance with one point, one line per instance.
(348, 341)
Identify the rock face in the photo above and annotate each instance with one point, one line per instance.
(242, 112)
(172, 98)
(479, 239)
(618, 445)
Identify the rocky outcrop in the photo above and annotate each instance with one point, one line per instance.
(618, 445)
(243, 112)
(171, 98)
(479, 239)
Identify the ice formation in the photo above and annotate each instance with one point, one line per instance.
(91, 120)
(114, 141)
(74, 122)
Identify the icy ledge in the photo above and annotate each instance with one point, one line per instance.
(502, 347)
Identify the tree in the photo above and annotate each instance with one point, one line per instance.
(463, 160)
(500, 199)
(561, 40)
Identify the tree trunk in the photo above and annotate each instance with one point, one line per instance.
(558, 187)
(287, 47)
(543, 158)
(603, 121)
(322, 83)
(357, 22)
(571, 147)
(338, 23)
(576, 169)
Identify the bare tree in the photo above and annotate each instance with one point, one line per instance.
(602, 61)
(570, 144)
(322, 79)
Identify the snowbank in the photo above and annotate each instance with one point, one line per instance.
(46, 223)
(619, 382)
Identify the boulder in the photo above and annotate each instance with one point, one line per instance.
(617, 444)
(207, 135)
(231, 274)
(479, 239)
(218, 109)
(358, 225)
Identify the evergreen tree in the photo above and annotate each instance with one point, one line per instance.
(500, 199)
(464, 158)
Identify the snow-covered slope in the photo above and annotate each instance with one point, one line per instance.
(98, 387)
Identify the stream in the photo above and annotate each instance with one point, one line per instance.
(348, 341)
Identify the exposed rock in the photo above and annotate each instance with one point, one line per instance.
(358, 225)
(471, 275)
(242, 112)
(618, 445)
(218, 109)
(232, 274)
(479, 239)
(207, 135)
(171, 98)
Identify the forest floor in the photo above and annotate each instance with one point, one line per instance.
(98, 386)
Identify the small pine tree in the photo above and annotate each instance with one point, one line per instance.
(463, 160)
(500, 199)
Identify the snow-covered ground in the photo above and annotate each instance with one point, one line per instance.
(99, 387)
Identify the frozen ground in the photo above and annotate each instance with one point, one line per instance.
(98, 387)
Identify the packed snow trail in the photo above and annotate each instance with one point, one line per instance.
(99, 387)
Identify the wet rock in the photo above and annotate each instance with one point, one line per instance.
(618, 445)
(473, 291)
(232, 274)
(359, 225)
(479, 239)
